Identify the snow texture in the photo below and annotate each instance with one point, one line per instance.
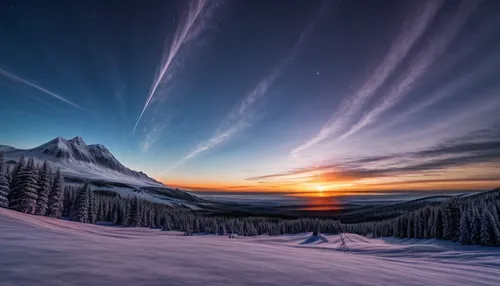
(37, 250)
(77, 159)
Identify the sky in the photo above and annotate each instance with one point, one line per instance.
(263, 96)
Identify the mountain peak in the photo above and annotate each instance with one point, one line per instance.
(75, 150)
(78, 141)
(56, 140)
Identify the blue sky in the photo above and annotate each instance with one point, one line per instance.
(262, 95)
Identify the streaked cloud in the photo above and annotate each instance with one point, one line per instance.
(150, 138)
(412, 30)
(454, 87)
(191, 25)
(240, 116)
(48, 92)
(417, 68)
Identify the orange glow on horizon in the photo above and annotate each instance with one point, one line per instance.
(315, 189)
(325, 182)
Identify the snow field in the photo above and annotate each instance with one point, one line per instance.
(36, 250)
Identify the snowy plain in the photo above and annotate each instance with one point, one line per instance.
(38, 250)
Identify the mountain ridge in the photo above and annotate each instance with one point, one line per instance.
(75, 152)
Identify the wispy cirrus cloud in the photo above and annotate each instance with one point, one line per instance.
(240, 116)
(412, 30)
(418, 67)
(190, 27)
(48, 92)
(151, 137)
(156, 128)
(457, 85)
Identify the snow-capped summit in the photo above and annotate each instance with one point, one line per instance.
(60, 148)
(75, 152)
(78, 141)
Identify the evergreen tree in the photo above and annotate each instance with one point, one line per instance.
(403, 233)
(196, 225)
(44, 176)
(117, 217)
(429, 224)
(56, 193)
(81, 205)
(487, 233)
(68, 199)
(100, 211)
(146, 216)
(24, 192)
(167, 226)
(92, 207)
(438, 225)
(476, 226)
(14, 178)
(222, 229)
(465, 229)
(15, 172)
(107, 209)
(158, 218)
(410, 227)
(8, 174)
(123, 214)
(151, 219)
(397, 225)
(416, 225)
(451, 222)
(134, 213)
(214, 226)
(4, 184)
(250, 229)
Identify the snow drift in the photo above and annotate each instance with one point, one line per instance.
(44, 251)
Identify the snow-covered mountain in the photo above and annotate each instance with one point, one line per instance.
(80, 162)
(77, 159)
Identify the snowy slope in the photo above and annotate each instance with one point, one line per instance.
(392, 248)
(77, 159)
(6, 148)
(43, 251)
(80, 162)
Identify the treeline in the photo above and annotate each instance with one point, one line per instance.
(140, 213)
(31, 189)
(36, 190)
(469, 220)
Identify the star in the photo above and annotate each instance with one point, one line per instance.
(317, 73)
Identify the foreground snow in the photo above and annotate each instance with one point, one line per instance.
(43, 251)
